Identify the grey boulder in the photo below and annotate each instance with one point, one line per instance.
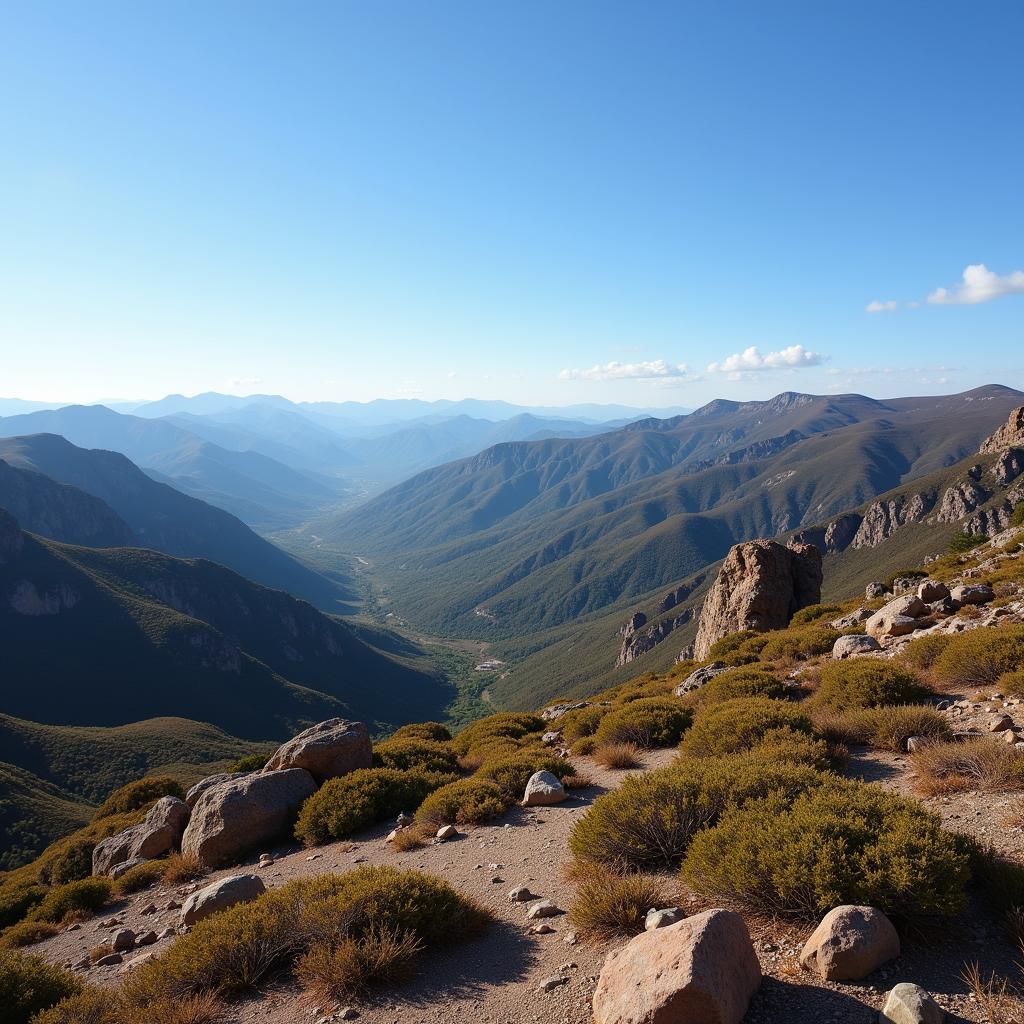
(331, 748)
(219, 895)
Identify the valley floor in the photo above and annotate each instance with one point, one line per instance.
(498, 976)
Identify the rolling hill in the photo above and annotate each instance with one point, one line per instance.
(154, 515)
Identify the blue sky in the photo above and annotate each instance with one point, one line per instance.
(548, 203)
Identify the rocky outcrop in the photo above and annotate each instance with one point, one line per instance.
(961, 500)
(219, 895)
(702, 970)
(233, 817)
(700, 677)
(850, 943)
(854, 646)
(160, 833)
(897, 618)
(636, 644)
(883, 518)
(760, 586)
(327, 750)
(835, 537)
(680, 594)
(1008, 465)
(1009, 435)
(210, 781)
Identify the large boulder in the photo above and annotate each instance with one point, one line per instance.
(760, 586)
(854, 645)
(543, 789)
(972, 593)
(159, 833)
(208, 783)
(702, 970)
(335, 747)
(896, 618)
(219, 895)
(700, 677)
(230, 819)
(850, 943)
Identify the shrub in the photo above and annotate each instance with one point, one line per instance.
(584, 747)
(608, 904)
(984, 764)
(618, 756)
(27, 933)
(350, 802)
(886, 728)
(736, 725)
(961, 542)
(866, 683)
(923, 652)
(741, 682)
(71, 861)
(800, 642)
(650, 820)
(489, 750)
(792, 747)
(512, 773)
(142, 876)
(139, 794)
(434, 731)
(336, 971)
(73, 898)
(1017, 518)
(249, 763)
(182, 867)
(465, 802)
(650, 722)
(17, 899)
(426, 755)
(575, 725)
(738, 648)
(504, 725)
(29, 984)
(815, 613)
(95, 1005)
(1012, 683)
(840, 843)
(980, 656)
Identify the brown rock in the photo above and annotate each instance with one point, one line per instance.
(208, 783)
(159, 834)
(760, 586)
(332, 748)
(219, 895)
(1009, 435)
(232, 818)
(850, 943)
(702, 970)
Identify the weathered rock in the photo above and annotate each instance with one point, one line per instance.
(331, 748)
(662, 918)
(883, 518)
(543, 789)
(972, 593)
(235, 816)
(109, 960)
(446, 832)
(873, 590)
(158, 834)
(638, 643)
(521, 894)
(854, 645)
(549, 984)
(557, 710)
(550, 738)
(961, 500)
(850, 943)
(910, 1004)
(542, 908)
(208, 783)
(126, 865)
(897, 617)
(702, 970)
(1009, 435)
(219, 895)
(1000, 723)
(146, 939)
(854, 619)
(701, 677)
(932, 590)
(122, 939)
(760, 586)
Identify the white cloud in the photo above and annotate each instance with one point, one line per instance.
(243, 382)
(979, 284)
(655, 370)
(752, 359)
(876, 306)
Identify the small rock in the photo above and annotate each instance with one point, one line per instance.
(542, 908)
(854, 645)
(110, 960)
(348, 1013)
(521, 894)
(549, 984)
(167, 933)
(541, 929)
(224, 893)
(910, 1004)
(662, 918)
(543, 789)
(446, 832)
(149, 908)
(850, 943)
(571, 938)
(123, 939)
(146, 939)
(1000, 723)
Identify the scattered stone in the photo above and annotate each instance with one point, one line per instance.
(266, 859)
(541, 929)
(852, 620)
(915, 743)
(172, 905)
(662, 918)
(571, 938)
(854, 645)
(109, 960)
(167, 933)
(327, 750)
(73, 927)
(123, 939)
(348, 1013)
(521, 894)
(1000, 723)
(897, 618)
(550, 738)
(137, 961)
(702, 970)
(972, 593)
(875, 590)
(146, 939)
(404, 820)
(542, 908)
(850, 943)
(148, 909)
(932, 590)
(543, 789)
(446, 832)
(220, 895)
(910, 1004)
(550, 984)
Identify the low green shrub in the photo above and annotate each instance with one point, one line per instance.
(1012, 683)
(923, 652)
(249, 763)
(745, 681)
(434, 731)
(28, 984)
(867, 683)
(17, 898)
(466, 802)
(426, 755)
(142, 876)
(81, 897)
(364, 797)
(582, 722)
(843, 842)
(739, 724)
(792, 747)
(738, 648)
(650, 820)
(27, 933)
(139, 794)
(650, 722)
(504, 725)
(70, 861)
(587, 746)
(798, 643)
(815, 613)
(961, 542)
(512, 773)
(980, 656)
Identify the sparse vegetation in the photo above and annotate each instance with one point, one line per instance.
(799, 643)
(980, 656)
(27, 933)
(73, 898)
(981, 764)
(608, 903)
(142, 876)
(28, 984)
(137, 795)
(961, 542)
(249, 763)
(512, 773)
(618, 756)
(884, 728)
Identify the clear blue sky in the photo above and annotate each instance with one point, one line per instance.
(544, 202)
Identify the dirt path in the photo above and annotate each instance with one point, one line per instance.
(496, 978)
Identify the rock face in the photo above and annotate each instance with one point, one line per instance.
(884, 518)
(220, 895)
(850, 943)
(702, 970)
(1009, 435)
(961, 500)
(332, 748)
(235, 816)
(160, 833)
(543, 789)
(635, 643)
(11, 538)
(760, 586)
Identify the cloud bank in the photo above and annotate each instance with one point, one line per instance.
(979, 284)
(656, 370)
(880, 307)
(751, 359)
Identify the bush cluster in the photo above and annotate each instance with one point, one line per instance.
(80, 897)
(28, 984)
(738, 648)
(980, 656)
(506, 725)
(608, 903)
(139, 794)
(425, 755)
(512, 773)
(884, 728)
(434, 731)
(798, 643)
(464, 802)
(739, 724)
(744, 681)
(648, 722)
(980, 764)
(866, 683)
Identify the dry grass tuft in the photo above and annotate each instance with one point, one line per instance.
(182, 867)
(984, 764)
(618, 755)
(994, 995)
(412, 837)
(609, 903)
